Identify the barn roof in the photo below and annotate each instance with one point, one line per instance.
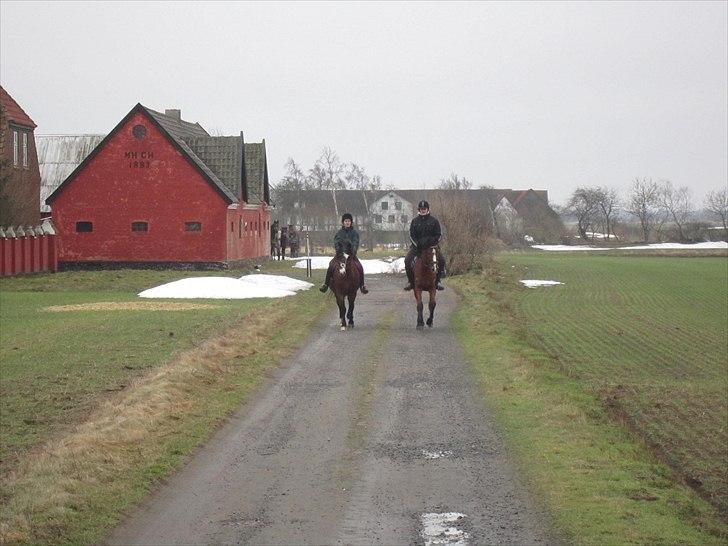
(12, 111)
(220, 159)
(58, 157)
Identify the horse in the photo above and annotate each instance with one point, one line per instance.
(344, 284)
(425, 269)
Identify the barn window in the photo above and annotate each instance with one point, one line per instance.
(139, 132)
(139, 227)
(398, 205)
(193, 226)
(84, 227)
(15, 148)
(391, 219)
(378, 218)
(232, 227)
(385, 205)
(25, 149)
(240, 228)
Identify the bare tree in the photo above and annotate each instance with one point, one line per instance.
(327, 174)
(716, 203)
(454, 182)
(644, 203)
(608, 205)
(356, 178)
(677, 204)
(465, 232)
(584, 205)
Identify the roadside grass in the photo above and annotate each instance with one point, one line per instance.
(97, 406)
(558, 364)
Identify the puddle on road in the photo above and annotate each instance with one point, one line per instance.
(443, 528)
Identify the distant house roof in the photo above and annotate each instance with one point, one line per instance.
(58, 157)
(12, 111)
(220, 159)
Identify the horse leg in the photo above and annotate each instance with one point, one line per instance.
(418, 297)
(350, 313)
(342, 310)
(431, 304)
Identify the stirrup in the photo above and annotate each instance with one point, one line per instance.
(364, 289)
(439, 287)
(408, 288)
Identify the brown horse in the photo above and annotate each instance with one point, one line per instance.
(425, 268)
(344, 284)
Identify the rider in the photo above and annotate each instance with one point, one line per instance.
(346, 240)
(424, 232)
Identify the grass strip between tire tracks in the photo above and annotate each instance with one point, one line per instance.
(599, 484)
(76, 487)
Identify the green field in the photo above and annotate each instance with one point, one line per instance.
(111, 399)
(649, 335)
(612, 388)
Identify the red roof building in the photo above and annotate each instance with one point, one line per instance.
(160, 191)
(19, 173)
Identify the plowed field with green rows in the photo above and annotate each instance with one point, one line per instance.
(649, 336)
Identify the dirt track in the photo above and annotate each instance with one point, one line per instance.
(371, 436)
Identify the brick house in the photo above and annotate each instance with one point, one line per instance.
(160, 191)
(19, 174)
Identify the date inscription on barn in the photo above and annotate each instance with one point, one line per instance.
(138, 160)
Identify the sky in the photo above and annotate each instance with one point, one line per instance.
(513, 95)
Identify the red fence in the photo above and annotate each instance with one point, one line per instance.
(28, 250)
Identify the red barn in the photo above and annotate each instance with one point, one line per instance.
(160, 191)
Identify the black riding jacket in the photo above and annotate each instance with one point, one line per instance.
(424, 232)
(347, 240)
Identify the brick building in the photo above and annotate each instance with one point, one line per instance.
(19, 174)
(158, 190)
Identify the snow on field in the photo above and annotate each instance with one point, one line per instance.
(371, 267)
(228, 288)
(533, 283)
(715, 245)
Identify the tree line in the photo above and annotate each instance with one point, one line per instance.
(652, 205)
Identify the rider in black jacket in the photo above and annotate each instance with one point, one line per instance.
(424, 232)
(346, 240)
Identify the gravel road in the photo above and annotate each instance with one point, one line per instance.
(377, 435)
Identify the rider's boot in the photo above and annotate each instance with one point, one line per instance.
(364, 289)
(324, 287)
(408, 286)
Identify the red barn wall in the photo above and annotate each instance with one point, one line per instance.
(248, 233)
(146, 180)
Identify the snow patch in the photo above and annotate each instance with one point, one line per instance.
(228, 288)
(443, 529)
(371, 267)
(711, 245)
(533, 283)
(435, 454)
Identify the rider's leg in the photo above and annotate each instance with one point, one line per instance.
(362, 286)
(329, 272)
(409, 269)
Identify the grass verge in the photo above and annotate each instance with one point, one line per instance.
(73, 484)
(600, 484)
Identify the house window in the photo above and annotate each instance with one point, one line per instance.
(193, 226)
(390, 219)
(398, 205)
(15, 148)
(139, 227)
(84, 227)
(404, 218)
(25, 150)
(378, 218)
(385, 205)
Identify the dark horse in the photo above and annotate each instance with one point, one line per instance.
(425, 268)
(344, 284)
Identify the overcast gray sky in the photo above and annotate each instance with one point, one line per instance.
(542, 95)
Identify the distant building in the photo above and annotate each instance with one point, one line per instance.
(19, 174)
(157, 190)
(385, 215)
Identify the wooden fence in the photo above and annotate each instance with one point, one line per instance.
(28, 249)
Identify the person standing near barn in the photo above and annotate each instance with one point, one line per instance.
(284, 241)
(424, 232)
(346, 240)
(293, 241)
(275, 241)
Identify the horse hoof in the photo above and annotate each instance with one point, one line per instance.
(420, 326)
(351, 325)
(429, 323)
(343, 328)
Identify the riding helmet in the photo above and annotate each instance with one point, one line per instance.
(423, 205)
(347, 216)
